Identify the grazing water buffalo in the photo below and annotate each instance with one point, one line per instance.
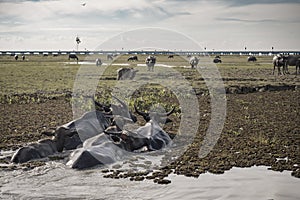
(98, 62)
(73, 56)
(132, 58)
(194, 61)
(217, 59)
(150, 62)
(290, 60)
(298, 66)
(23, 57)
(16, 57)
(109, 57)
(279, 61)
(171, 56)
(126, 73)
(251, 58)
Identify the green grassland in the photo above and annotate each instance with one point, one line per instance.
(49, 75)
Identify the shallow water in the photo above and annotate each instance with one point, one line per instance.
(56, 181)
(117, 64)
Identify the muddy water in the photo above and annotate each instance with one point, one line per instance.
(56, 181)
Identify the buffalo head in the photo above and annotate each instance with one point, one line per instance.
(155, 116)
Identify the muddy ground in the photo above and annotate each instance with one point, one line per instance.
(261, 128)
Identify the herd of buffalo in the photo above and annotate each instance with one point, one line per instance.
(101, 136)
(279, 61)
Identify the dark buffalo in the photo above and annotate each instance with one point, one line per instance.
(66, 137)
(298, 66)
(73, 56)
(171, 56)
(126, 73)
(132, 58)
(45, 147)
(109, 57)
(252, 59)
(217, 60)
(290, 60)
(16, 57)
(109, 148)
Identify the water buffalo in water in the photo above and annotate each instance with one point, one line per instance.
(73, 56)
(126, 73)
(194, 61)
(109, 148)
(65, 137)
(71, 135)
(132, 58)
(251, 59)
(150, 62)
(45, 147)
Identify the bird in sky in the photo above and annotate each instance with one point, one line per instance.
(83, 4)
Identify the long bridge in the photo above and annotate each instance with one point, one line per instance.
(227, 52)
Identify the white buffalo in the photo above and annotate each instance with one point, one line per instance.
(150, 62)
(194, 61)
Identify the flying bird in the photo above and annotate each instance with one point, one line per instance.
(83, 4)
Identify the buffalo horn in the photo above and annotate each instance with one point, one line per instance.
(106, 108)
(140, 112)
(166, 114)
(121, 102)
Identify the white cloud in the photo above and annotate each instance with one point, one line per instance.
(214, 24)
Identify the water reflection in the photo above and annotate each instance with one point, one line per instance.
(55, 180)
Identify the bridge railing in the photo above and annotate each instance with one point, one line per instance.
(227, 52)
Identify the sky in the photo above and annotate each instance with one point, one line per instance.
(211, 24)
